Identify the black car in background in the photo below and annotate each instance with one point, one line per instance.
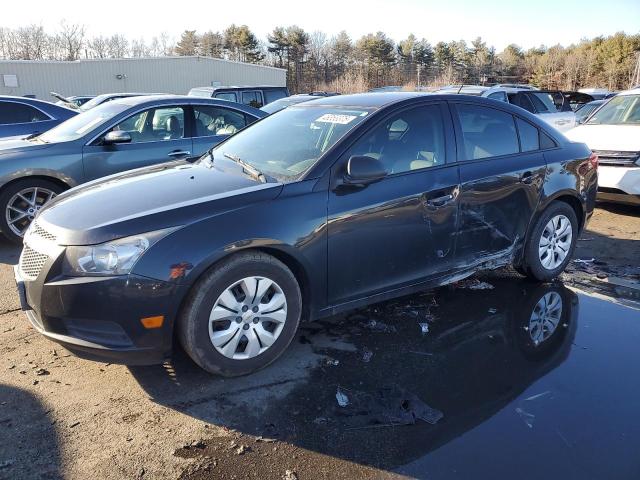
(324, 207)
(254, 96)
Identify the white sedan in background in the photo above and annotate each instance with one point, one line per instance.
(613, 133)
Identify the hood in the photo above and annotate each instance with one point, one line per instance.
(148, 199)
(12, 144)
(623, 138)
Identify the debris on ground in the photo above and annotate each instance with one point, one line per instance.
(474, 284)
(42, 371)
(390, 405)
(365, 355)
(378, 326)
(492, 310)
(242, 449)
(331, 362)
(424, 327)
(342, 398)
(290, 475)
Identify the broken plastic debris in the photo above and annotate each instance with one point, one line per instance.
(584, 260)
(366, 355)
(391, 405)
(332, 362)
(377, 326)
(342, 398)
(424, 327)
(492, 310)
(474, 284)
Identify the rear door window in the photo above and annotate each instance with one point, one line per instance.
(486, 132)
(228, 96)
(274, 94)
(252, 98)
(13, 112)
(217, 120)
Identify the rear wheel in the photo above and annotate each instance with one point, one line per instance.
(242, 315)
(551, 243)
(20, 202)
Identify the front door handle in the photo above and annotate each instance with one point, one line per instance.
(439, 201)
(179, 153)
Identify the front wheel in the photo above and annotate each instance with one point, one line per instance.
(551, 242)
(242, 315)
(20, 202)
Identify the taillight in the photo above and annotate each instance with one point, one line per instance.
(590, 164)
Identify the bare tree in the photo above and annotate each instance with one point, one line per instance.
(72, 38)
(118, 46)
(139, 48)
(98, 47)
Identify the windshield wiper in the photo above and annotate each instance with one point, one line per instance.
(247, 167)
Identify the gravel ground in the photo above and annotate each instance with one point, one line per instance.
(63, 417)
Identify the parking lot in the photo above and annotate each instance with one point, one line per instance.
(439, 384)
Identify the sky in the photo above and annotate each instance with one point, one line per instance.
(499, 23)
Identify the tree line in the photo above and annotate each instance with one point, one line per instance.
(315, 61)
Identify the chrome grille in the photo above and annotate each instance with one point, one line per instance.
(617, 159)
(41, 232)
(31, 262)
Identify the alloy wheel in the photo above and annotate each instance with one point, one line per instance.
(545, 317)
(247, 318)
(23, 206)
(555, 242)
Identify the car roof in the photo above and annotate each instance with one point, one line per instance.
(370, 99)
(632, 91)
(236, 87)
(36, 102)
(163, 99)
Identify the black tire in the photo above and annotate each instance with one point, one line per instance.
(531, 265)
(9, 192)
(193, 321)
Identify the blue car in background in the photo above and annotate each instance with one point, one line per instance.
(20, 116)
(118, 135)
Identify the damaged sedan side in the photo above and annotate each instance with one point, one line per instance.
(321, 208)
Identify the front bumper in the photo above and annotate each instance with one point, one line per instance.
(98, 318)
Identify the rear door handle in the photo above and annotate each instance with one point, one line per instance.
(439, 201)
(179, 153)
(526, 178)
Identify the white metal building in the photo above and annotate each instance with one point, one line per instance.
(155, 75)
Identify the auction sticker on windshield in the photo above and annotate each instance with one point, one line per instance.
(336, 118)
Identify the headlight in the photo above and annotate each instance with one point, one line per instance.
(111, 258)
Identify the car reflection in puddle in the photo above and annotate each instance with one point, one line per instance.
(468, 380)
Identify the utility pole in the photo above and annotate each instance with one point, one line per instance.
(636, 73)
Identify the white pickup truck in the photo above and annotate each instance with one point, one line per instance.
(550, 105)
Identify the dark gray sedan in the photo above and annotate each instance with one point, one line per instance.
(119, 135)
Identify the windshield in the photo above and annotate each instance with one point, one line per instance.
(82, 123)
(287, 144)
(620, 110)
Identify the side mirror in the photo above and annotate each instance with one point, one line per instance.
(116, 136)
(363, 170)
